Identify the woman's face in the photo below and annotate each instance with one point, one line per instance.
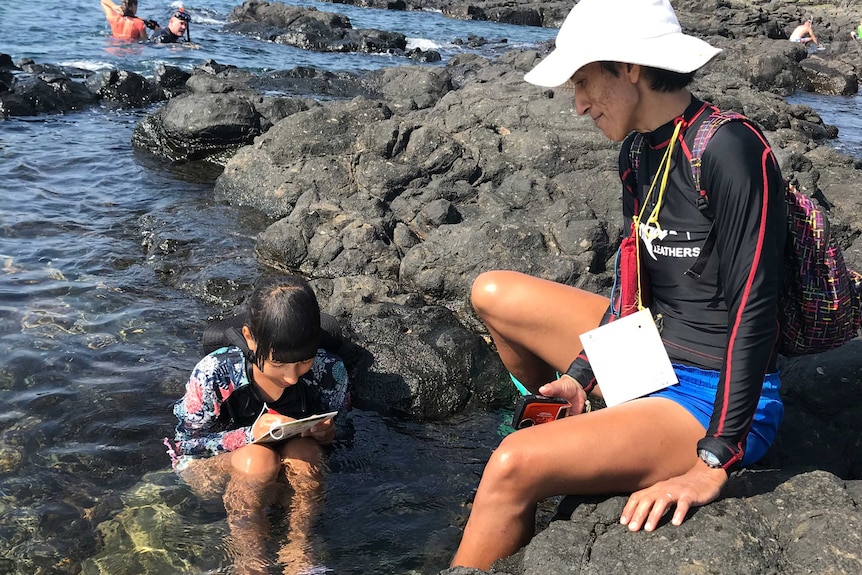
(609, 100)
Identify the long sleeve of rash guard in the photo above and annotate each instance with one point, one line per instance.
(745, 191)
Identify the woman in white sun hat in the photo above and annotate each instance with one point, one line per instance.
(629, 65)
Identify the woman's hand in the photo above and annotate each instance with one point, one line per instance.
(323, 432)
(698, 486)
(569, 389)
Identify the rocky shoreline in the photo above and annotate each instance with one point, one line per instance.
(392, 190)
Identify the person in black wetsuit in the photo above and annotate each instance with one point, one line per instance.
(628, 65)
(177, 28)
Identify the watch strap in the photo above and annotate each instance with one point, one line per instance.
(728, 456)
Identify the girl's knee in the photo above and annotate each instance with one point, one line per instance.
(303, 464)
(302, 450)
(256, 461)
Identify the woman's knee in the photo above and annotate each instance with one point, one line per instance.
(509, 470)
(491, 291)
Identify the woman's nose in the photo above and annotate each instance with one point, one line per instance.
(581, 103)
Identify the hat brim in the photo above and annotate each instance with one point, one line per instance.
(675, 52)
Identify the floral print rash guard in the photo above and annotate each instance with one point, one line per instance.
(200, 432)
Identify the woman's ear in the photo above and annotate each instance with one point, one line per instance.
(632, 72)
(249, 340)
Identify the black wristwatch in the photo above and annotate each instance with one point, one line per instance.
(709, 458)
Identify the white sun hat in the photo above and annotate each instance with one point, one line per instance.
(644, 32)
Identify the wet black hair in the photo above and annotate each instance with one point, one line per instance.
(284, 320)
(659, 80)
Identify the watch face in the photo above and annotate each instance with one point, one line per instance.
(709, 458)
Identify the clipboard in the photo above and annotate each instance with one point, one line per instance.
(283, 431)
(628, 358)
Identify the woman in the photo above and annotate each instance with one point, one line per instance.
(629, 65)
(234, 397)
(123, 20)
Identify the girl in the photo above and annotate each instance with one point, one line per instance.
(234, 396)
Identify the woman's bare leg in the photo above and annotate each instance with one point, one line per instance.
(614, 450)
(535, 323)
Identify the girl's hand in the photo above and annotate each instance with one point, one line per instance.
(265, 422)
(323, 432)
(569, 389)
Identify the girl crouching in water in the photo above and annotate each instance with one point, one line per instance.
(235, 395)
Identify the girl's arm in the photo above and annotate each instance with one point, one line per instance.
(199, 431)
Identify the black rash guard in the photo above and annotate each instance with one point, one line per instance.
(165, 36)
(727, 320)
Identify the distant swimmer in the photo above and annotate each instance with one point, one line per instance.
(124, 21)
(177, 27)
(804, 34)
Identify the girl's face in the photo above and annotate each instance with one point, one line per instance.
(276, 375)
(283, 375)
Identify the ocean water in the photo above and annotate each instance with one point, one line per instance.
(102, 252)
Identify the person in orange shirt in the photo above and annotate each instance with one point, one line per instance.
(124, 22)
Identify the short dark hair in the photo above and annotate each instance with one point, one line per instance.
(659, 80)
(284, 320)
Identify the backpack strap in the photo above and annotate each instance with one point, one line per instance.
(234, 335)
(631, 177)
(635, 152)
(704, 134)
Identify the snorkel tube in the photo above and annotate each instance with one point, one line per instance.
(181, 15)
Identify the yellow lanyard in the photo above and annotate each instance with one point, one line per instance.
(663, 172)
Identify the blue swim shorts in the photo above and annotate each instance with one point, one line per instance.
(696, 393)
